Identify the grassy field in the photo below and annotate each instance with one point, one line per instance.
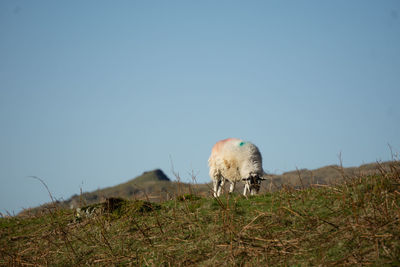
(356, 222)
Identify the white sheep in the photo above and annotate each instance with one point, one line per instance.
(235, 160)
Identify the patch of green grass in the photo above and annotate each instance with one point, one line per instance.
(185, 197)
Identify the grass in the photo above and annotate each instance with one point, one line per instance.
(353, 223)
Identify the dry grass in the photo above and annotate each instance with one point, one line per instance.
(353, 223)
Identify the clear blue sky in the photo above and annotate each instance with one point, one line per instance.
(93, 93)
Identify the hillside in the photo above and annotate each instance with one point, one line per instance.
(354, 222)
(328, 175)
(155, 186)
(151, 185)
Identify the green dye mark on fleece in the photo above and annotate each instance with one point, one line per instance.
(242, 143)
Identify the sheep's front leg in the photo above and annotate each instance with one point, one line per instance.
(252, 192)
(232, 187)
(246, 187)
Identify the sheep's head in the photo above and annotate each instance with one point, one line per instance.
(254, 183)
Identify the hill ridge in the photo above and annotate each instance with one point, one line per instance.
(155, 186)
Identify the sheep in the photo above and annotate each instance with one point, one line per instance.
(233, 159)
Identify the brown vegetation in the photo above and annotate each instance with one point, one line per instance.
(355, 222)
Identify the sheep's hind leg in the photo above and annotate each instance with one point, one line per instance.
(218, 183)
(215, 182)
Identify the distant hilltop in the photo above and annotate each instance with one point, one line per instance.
(140, 187)
(155, 175)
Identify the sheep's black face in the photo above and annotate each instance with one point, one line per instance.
(254, 184)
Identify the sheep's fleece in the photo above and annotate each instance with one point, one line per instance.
(235, 160)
